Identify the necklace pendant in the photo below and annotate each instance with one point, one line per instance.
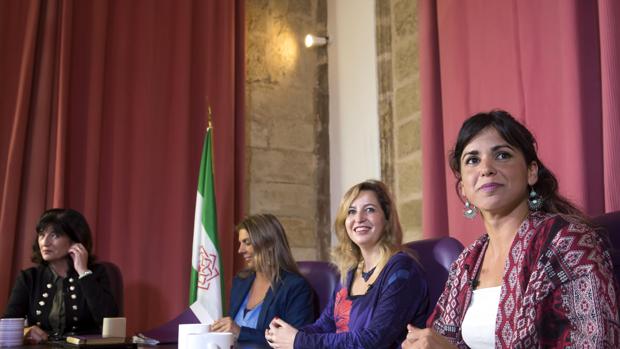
(368, 274)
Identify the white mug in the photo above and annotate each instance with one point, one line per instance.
(185, 330)
(210, 340)
(114, 327)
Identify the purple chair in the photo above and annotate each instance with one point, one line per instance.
(323, 277)
(611, 223)
(436, 256)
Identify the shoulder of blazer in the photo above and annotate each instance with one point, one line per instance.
(288, 279)
(37, 274)
(33, 271)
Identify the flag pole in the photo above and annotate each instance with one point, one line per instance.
(210, 126)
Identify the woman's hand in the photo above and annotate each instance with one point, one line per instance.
(79, 255)
(280, 335)
(225, 325)
(424, 338)
(34, 335)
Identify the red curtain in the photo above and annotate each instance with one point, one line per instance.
(103, 109)
(553, 64)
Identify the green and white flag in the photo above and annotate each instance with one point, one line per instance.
(205, 293)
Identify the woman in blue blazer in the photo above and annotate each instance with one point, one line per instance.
(271, 286)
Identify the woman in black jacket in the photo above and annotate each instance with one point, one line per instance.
(65, 293)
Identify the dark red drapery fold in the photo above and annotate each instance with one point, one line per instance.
(552, 64)
(104, 109)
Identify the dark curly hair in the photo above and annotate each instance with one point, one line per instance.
(521, 138)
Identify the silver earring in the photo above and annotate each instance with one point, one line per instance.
(469, 211)
(535, 201)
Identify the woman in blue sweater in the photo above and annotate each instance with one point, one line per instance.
(383, 287)
(271, 286)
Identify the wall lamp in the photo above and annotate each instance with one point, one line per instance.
(312, 41)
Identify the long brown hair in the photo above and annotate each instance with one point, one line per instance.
(272, 252)
(347, 254)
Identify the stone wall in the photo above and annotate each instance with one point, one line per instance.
(399, 108)
(287, 154)
(287, 139)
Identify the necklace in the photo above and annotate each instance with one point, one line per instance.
(365, 275)
(368, 274)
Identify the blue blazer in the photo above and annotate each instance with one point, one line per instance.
(292, 300)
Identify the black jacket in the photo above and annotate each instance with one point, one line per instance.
(87, 300)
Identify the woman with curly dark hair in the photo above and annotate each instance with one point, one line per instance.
(541, 276)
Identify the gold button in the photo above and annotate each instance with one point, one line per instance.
(41, 303)
(70, 279)
(74, 307)
(71, 288)
(45, 295)
(38, 312)
(39, 323)
(73, 296)
(49, 285)
(75, 318)
(73, 327)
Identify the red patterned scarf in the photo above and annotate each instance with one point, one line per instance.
(558, 289)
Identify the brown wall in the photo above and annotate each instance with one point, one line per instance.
(287, 121)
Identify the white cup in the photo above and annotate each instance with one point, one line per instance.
(185, 330)
(210, 340)
(114, 327)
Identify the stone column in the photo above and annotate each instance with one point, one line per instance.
(287, 154)
(399, 103)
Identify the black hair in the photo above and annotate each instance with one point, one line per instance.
(521, 138)
(64, 221)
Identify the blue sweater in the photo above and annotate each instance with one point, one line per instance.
(379, 318)
(291, 300)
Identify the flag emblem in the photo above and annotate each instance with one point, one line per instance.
(208, 269)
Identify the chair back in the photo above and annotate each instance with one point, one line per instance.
(323, 277)
(116, 283)
(611, 223)
(436, 256)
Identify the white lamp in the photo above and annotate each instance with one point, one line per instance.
(312, 40)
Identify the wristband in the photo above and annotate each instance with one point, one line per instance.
(88, 272)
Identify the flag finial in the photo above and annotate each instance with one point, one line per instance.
(209, 117)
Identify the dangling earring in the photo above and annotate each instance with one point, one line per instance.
(469, 211)
(535, 201)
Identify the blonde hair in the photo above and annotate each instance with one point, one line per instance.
(271, 249)
(347, 255)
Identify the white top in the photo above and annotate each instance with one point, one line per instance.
(478, 328)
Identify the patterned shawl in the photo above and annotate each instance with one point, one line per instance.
(558, 288)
